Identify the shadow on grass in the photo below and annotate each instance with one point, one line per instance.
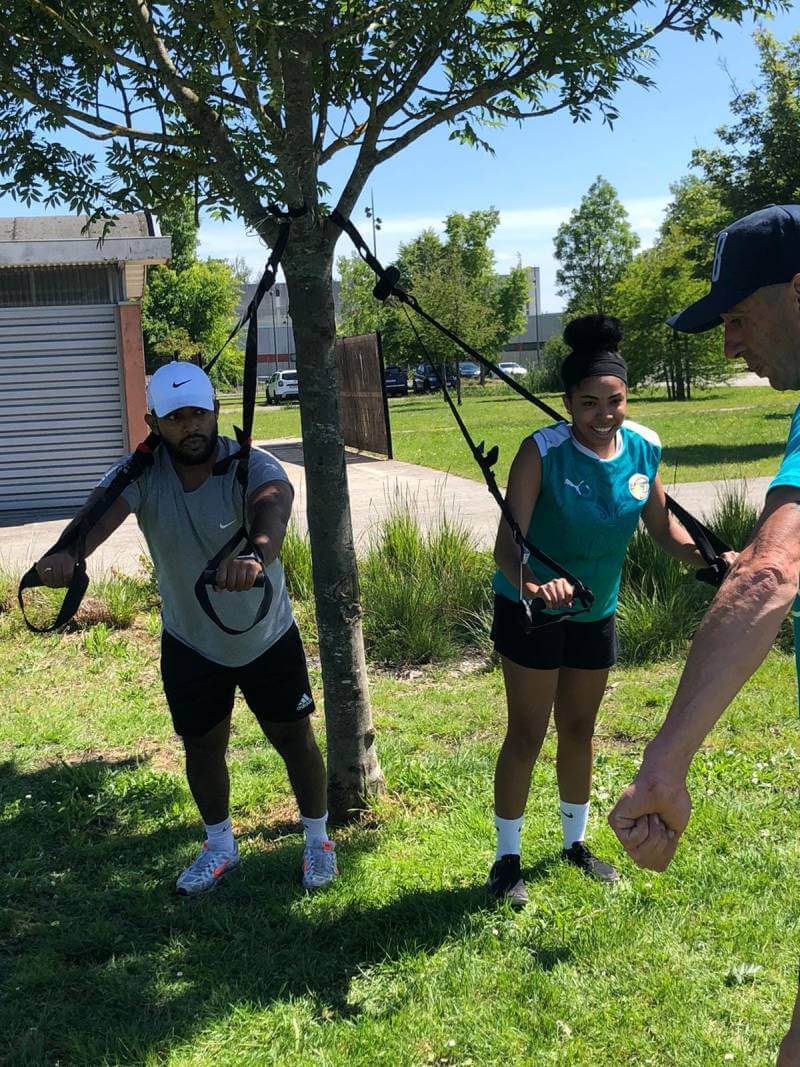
(700, 455)
(103, 963)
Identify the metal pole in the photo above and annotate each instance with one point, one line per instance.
(536, 315)
(274, 331)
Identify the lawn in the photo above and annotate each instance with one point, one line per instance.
(402, 962)
(727, 432)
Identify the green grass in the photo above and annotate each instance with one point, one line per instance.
(726, 432)
(401, 962)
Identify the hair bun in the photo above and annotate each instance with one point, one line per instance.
(593, 333)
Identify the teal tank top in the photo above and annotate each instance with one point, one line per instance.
(588, 509)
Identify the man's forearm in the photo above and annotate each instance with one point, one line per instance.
(269, 519)
(730, 644)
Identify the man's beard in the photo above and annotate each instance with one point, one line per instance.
(193, 458)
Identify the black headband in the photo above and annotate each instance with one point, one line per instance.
(580, 365)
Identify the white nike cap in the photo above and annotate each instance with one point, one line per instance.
(179, 385)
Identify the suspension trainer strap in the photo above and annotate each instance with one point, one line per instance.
(708, 544)
(244, 435)
(73, 539)
(534, 609)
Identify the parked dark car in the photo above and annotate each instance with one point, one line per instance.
(396, 380)
(426, 379)
(469, 370)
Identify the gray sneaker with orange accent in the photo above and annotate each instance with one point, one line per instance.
(207, 871)
(319, 865)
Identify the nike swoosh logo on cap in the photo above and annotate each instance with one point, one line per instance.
(176, 384)
(225, 525)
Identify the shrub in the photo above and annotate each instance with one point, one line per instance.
(423, 592)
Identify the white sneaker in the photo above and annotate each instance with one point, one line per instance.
(319, 865)
(207, 870)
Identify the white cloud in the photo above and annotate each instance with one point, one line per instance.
(523, 233)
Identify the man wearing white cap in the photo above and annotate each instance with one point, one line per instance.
(187, 512)
(755, 295)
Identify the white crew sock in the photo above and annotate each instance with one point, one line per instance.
(220, 836)
(316, 829)
(574, 818)
(509, 832)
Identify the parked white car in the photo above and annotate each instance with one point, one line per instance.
(282, 385)
(514, 369)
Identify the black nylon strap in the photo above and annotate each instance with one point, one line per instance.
(209, 574)
(73, 539)
(708, 544)
(244, 434)
(534, 615)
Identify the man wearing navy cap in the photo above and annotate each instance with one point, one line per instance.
(755, 295)
(189, 506)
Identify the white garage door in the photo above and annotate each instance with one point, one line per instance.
(60, 408)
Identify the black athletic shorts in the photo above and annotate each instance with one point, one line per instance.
(200, 693)
(589, 646)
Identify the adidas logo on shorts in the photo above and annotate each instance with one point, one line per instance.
(305, 701)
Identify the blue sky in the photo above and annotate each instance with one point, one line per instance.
(540, 170)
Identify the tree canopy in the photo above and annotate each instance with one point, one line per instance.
(454, 280)
(594, 246)
(189, 307)
(662, 280)
(758, 161)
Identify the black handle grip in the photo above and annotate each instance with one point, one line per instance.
(210, 576)
(713, 574)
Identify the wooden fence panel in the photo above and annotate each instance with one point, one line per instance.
(362, 394)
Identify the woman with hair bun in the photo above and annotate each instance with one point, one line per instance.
(579, 489)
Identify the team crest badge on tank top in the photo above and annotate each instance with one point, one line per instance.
(639, 485)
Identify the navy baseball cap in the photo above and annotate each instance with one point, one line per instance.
(760, 249)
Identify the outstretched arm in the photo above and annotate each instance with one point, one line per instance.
(56, 569)
(269, 509)
(668, 533)
(733, 639)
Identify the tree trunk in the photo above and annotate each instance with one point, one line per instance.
(354, 774)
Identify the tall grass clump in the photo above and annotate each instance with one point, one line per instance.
(8, 590)
(296, 560)
(119, 599)
(422, 591)
(661, 601)
(660, 604)
(733, 517)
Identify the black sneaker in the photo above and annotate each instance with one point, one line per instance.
(505, 881)
(582, 857)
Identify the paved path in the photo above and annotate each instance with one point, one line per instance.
(374, 485)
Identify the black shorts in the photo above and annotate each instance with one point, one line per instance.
(200, 693)
(588, 646)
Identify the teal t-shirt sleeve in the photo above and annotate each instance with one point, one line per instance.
(789, 470)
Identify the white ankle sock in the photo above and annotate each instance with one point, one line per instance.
(574, 818)
(509, 832)
(316, 829)
(220, 836)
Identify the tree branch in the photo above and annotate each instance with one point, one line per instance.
(204, 119)
(267, 119)
(351, 29)
(111, 129)
(102, 49)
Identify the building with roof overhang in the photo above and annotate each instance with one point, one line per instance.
(72, 377)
